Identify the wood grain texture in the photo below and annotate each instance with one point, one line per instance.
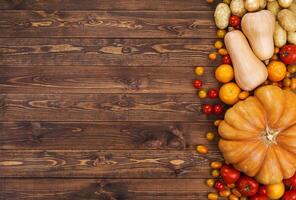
(105, 52)
(103, 135)
(107, 163)
(102, 107)
(93, 79)
(109, 189)
(112, 24)
(104, 5)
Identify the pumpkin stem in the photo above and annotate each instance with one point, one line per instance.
(270, 135)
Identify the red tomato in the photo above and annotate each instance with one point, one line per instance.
(262, 190)
(229, 174)
(289, 195)
(213, 93)
(234, 21)
(259, 197)
(207, 109)
(247, 186)
(226, 60)
(291, 182)
(217, 109)
(288, 54)
(197, 84)
(219, 186)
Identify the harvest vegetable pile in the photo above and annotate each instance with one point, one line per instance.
(257, 137)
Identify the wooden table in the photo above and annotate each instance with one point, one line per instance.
(96, 99)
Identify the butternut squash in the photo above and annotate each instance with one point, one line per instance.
(249, 71)
(259, 27)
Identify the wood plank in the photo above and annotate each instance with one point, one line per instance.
(105, 52)
(107, 164)
(92, 79)
(94, 189)
(105, 5)
(102, 107)
(103, 136)
(111, 24)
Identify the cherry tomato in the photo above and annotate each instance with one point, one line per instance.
(247, 186)
(234, 21)
(197, 84)
(288, 54)
(226, 60)
(289, 195)
(259, 197)
(213, 93)
(229, 174)
(219, 186)
(217, 109)
(291, 182)
(207, 109)
(262, 190)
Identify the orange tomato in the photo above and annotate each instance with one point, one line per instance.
(224, 73)
(229, 93)
(221, 33)
(275, 191)
(276, 71)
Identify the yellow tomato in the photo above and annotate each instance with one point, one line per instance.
(216, 165)
(229, 93)
(243, 95)
(202, 149)
(202, 94)
(218, 44)
(213, 56)
(221, 33)
(225, 193)
(275, 191)
(224, 73)
(199, 71)
(212, 196)
(210, 136)
(210, 182)
(276, 71)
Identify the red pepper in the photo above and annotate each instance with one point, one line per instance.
(259, 197)
(291, 182)
(229, 174)
(289, 195)
(247, 186)
(262, 190)
(288, 54)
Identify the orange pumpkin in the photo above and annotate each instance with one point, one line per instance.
(258, 135)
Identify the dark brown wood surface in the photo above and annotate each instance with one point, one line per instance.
(96, 99)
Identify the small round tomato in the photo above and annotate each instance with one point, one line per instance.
(229, 174)
(259, 197)
(213, 93)
(217, 109)
(234, 21)
(291, 182)
(288, 54)
(202, 94)
(275, 191)
(197, 84)
(290, 195)
(262, 190)
(247, 186)
(219, 186)
(207, 109)
(226, 60)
